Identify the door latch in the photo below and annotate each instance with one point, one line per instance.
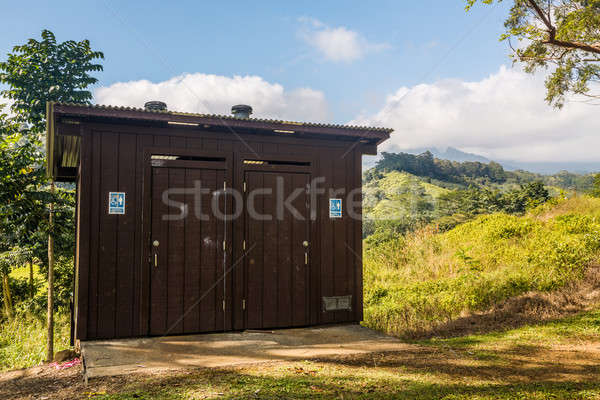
(155, 243)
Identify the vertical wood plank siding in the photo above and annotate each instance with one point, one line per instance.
(114, 278)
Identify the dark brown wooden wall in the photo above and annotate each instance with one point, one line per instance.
(112, 292)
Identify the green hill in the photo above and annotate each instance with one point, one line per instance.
(404, 192)
(418, 282)
(473, 173)
(395, 192)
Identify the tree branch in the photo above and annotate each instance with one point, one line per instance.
(541, 15)
(592, 48)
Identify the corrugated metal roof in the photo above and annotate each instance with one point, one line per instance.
(227, 117)
(63, 152)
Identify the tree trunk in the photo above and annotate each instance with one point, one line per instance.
(7, 296)
(31, 284)
(50, 344)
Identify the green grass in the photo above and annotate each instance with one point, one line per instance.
(393, 195)
(23, 341)
(394, 180)
(516, 364)
(581, 328)
(22, 273)
(340, 383)
(415, 283)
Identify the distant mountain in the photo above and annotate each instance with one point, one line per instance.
(549, 168)
(546, 168)
(451, 153)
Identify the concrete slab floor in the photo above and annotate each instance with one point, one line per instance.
(123, 356)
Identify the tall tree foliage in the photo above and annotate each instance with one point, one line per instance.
(36, 73)
(561, 34)
(21, 177)
(42, 71)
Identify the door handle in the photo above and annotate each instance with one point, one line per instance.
(305, 245)
(155, 244)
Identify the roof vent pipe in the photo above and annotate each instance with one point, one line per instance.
(241, 111)
(155, 106)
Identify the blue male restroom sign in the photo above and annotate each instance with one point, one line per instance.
(335, 208)
(116, 203)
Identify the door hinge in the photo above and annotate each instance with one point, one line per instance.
(244, 245)
(223, 305)
(224, 185)
(244, 186)
(224, 245)
(244, 304)
(305, 258)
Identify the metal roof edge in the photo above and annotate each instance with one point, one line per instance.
(225, 118)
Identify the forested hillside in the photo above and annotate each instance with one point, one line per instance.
(404, 192)
(453, 173)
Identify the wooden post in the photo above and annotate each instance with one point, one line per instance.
(31, 284)
(7, 296)
(50, 343)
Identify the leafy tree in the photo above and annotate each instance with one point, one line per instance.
(21, 175)
(36, 73)
(42, 71)
(562, 34)
(528, 196)
(596, 187)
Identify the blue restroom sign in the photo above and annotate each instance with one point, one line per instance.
(335, 208)
(116, 203)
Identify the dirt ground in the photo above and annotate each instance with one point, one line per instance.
(124, 356)
(519, 365)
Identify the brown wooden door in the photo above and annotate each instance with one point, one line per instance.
(278, 245)
(187, 278)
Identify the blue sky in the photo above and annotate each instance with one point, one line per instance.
(155, 40)
(357, 61)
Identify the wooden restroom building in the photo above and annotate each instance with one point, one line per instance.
(180, 227)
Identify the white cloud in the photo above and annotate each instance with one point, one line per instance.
(215, 94)
(339, 43)
(503, 116)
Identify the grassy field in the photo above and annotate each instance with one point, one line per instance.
(417, 284)
(394, 195)
(554, 360)
(23, 341)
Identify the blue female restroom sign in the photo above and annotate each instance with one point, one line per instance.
(116, 203)
(335, 208)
